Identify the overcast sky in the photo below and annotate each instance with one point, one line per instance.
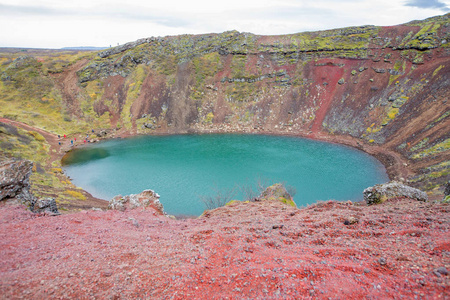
(101, 23)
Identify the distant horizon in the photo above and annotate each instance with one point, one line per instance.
(87, 48)
(94, 48)
(41, 24)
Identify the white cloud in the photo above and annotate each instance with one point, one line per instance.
(55, 23)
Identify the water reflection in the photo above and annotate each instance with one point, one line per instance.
(81, 156)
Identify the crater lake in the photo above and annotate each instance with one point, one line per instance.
(183, 169)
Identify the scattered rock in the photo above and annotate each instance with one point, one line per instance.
(379, 70)
(395, 72)
(107, 273)
(441, 271)
(382, 261)
(148, 125)
(102, 133)
(382, 192)
(341, 81)
(351, 220)
(277, 226)
(134, 221)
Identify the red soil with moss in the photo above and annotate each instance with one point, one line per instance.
(399, 249)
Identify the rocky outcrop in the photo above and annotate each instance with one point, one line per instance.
(124, 47)
(276, 192)
(382, 192)
(15, 183)
(14, 175)
(147, 198)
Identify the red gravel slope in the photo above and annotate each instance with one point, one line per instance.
(400, 249)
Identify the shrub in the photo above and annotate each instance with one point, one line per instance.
(219, 198)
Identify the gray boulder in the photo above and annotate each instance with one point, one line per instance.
(45, 205)
(148, 198)
(382, 192)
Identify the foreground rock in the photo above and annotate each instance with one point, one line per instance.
(15, 184)
(146, 199)
(14, 178)
(277, 192)
(382, 192)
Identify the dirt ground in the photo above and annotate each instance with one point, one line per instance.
(330, 250)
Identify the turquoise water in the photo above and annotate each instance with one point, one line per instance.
(183, 168)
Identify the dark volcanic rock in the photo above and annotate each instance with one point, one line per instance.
(14, 176)
(15, 183)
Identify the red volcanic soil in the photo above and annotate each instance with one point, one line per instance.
(399, 249)
(329, 75)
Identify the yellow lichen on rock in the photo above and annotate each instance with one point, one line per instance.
(277, 192)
